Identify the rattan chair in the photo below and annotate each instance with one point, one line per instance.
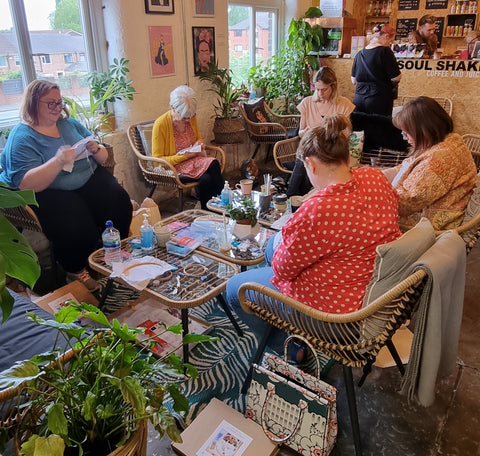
(277, 128)
(473, 143)
(445, 103)
(352, 339)
(285, 153)
(159, 172)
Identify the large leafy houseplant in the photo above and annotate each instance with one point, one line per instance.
(105, 88)
(17, 258)
(87, 397)
(286, 77)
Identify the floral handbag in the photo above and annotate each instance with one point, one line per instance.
(293, 407)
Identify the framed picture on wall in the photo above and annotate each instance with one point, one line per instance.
(204, 8)
(159, 6)
(162, 62)
(203, 48)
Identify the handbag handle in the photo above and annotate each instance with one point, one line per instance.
(302, 405)
(309, 345)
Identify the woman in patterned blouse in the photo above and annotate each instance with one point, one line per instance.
(328, 247)
(437, 178)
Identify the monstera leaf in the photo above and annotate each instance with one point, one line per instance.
(17, 258)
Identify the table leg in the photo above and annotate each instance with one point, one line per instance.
(185, 331)
(105, 292)
(227, 310)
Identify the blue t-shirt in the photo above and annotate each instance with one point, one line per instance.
(27, 149)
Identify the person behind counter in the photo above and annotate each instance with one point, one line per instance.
(321, 259)
(425, 34)
(175, 133)
(75, 195)
(471, 38)
(375, 72)
(438, 176)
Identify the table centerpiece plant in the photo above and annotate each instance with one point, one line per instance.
(244, 213)
(96, 392)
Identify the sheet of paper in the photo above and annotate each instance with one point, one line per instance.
(192, 149)
(226, 440)
(81, 151)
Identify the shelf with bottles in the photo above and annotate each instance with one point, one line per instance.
(463, 7)
(459, 25)
(379, 9)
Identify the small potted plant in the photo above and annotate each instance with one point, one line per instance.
(97, 393)
(228, 126)
(244, 213)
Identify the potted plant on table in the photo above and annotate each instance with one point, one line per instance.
(244, 213)
(97, 393)
(228, 126)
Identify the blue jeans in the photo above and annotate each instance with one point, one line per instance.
(255, 324)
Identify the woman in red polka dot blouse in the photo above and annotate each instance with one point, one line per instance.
(328, 248)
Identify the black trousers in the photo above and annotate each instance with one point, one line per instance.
(299, 183)
(210, 183)
(73, 220)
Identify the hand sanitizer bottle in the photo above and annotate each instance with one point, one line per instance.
(225, 195)
(146, 235)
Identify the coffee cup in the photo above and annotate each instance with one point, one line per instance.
(280, 202)
(162, 234)
(272, 189)
(295, 202)
(245, 186)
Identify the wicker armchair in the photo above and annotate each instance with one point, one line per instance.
(277, 128)
(352, 339)
(473, 143)
(159, 172)
(285, 152)
(445, 103)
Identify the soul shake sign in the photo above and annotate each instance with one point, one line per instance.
(443, 68)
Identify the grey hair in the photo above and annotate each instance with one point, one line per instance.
(184, 101)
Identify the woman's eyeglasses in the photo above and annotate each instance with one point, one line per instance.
(52, 105)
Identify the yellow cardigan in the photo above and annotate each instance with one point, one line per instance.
(163, 142)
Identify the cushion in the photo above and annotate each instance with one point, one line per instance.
(20, 338)
(472, 209)
(256, 111)
(394, 259)
(356, 146)
(145, 131)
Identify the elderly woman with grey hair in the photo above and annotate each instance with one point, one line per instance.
(176, 139)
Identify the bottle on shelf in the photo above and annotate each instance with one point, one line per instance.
(458, 6)
(112, 244)
(389, 8)
(376, 9)
(225, 194)
(146, 235)
(383, 10)
(370, 8)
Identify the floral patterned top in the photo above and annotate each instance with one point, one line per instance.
(327, 255)
(436, 183)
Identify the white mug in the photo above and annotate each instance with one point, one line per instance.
(245, 186)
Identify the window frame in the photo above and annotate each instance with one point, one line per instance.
(276, 6)
(91, 16)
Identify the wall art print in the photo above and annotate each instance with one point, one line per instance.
(161, 50)
(159, 6)
(204, 7)
(203, 48)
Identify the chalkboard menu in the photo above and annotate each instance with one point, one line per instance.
(405, 26)
(439, 26)
(406, 5)
(436, 4)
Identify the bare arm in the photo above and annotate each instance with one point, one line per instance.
(39, 178)
(98, 151)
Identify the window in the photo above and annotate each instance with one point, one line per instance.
(3, 61)
(252, 26)
(62, 55)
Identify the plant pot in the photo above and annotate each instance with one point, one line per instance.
(108, 125)
(244, 230)
(228, 131)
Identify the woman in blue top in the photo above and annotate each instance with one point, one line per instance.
(75, 195)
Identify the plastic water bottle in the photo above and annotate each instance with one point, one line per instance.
(112, 244)
(225, 194)
(146, 235)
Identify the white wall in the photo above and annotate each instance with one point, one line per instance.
(126, 30)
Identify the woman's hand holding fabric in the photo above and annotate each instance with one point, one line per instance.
(65, 156)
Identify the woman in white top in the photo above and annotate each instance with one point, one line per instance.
(324, 102)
